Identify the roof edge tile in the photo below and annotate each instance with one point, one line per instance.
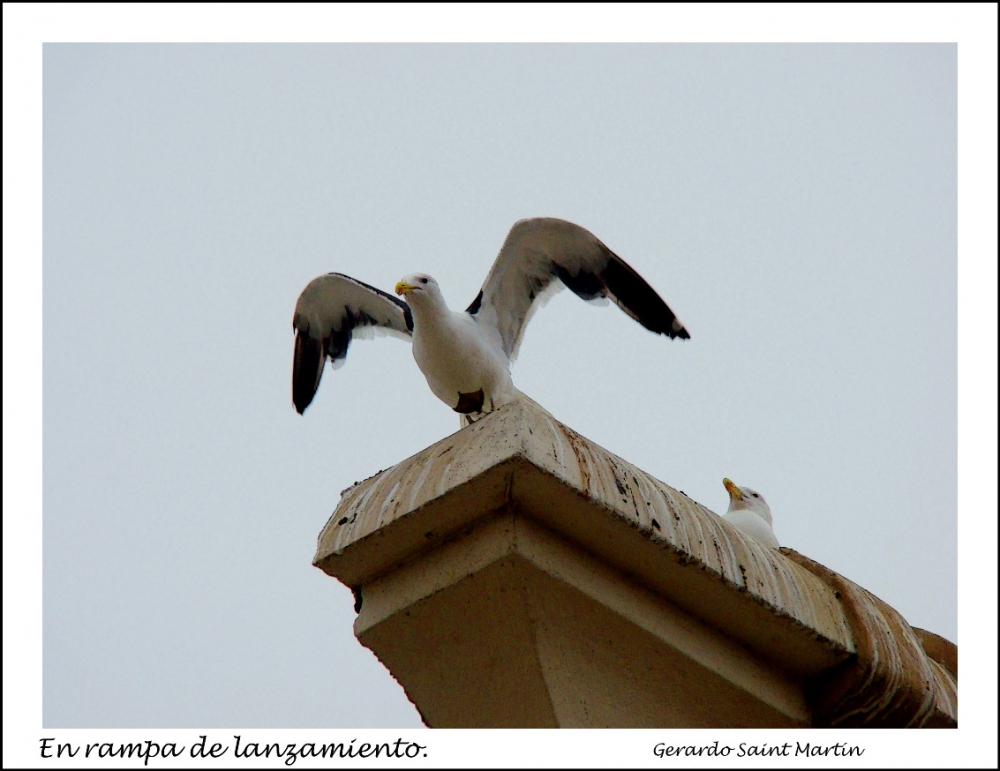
(891, 680)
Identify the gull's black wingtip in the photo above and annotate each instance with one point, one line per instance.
(301, 401)
(638, 299)
(307, 369)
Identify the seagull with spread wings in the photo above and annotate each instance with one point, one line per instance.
(466, 355)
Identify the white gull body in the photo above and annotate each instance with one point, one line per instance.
(749, 512)
(462, 360)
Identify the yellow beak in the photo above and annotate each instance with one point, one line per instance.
(403, 288)
(734, 491)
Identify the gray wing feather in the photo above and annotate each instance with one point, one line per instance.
(330, 312)
(540, 257)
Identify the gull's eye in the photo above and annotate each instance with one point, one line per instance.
(423, 281)
(755, 495)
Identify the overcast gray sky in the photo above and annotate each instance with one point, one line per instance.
(794, 204)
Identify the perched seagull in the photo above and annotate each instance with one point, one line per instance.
(466, 355)
(749, 512)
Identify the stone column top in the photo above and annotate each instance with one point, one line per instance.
(787, 610)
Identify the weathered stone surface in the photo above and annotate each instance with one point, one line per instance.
(514, 573)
